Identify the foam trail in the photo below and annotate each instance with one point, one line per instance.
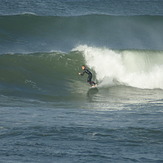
(142, 69)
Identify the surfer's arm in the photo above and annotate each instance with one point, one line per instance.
(82, 73)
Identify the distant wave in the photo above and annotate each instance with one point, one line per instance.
(20, 14)
(31, 33)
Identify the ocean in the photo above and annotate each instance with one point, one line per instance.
(48, 113)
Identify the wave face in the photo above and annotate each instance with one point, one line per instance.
(30, 33)
(39, 75)
(55, 75)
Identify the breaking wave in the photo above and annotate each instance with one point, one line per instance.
(55, 74)
(136, 68)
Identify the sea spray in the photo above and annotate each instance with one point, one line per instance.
(136, 68)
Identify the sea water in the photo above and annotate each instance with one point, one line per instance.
(48, 113)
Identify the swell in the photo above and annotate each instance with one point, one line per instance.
(30, 33)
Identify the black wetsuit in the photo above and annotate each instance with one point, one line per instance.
(89, 79)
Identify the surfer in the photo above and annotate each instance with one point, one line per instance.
(89, 79)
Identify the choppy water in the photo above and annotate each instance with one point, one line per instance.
(48, 113)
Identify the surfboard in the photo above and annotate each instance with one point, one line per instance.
(92, 90)
(93, 86)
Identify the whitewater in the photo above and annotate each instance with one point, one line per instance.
(136, 68)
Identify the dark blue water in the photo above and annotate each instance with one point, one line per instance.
(82, 7)
(48, 113)
(86, 131)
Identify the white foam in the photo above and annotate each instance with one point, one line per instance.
(142, 69)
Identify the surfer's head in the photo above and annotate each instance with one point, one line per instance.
(83, 67)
